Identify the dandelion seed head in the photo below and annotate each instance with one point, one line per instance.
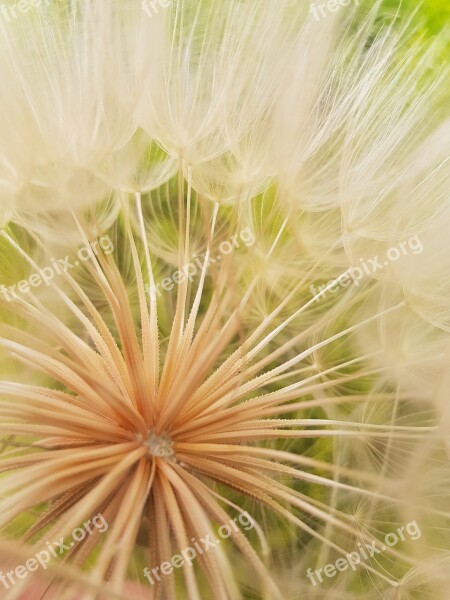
(191, 374)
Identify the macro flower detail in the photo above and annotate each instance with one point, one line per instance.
(223, 304)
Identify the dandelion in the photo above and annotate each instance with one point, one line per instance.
(236, 391)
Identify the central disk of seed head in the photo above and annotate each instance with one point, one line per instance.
(159, 445)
